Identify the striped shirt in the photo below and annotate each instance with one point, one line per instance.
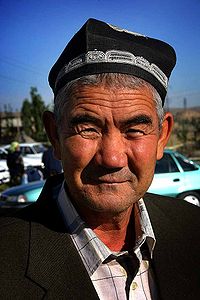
(115, 275)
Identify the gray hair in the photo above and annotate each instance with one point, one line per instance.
(114, 80)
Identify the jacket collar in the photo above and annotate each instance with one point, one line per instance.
(52, 255)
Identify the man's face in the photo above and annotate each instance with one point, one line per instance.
(108, 144)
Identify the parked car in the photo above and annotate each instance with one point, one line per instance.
(4, 173)
(19, 196)
(31, 152)
(32, 149)
(177, 176)
(3, 156)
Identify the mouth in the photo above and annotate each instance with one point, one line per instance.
(112, 180)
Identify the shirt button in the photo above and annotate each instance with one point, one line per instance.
(146, 264)
(123, 271)
(134, 285)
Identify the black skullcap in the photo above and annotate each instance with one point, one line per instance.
(102, 48)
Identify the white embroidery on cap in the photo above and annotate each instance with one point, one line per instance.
(114, 56)
(125, 30)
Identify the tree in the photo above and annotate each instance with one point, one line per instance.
(9, 129)
(26, 116)
(182, 130)
(195, 122)
(32, 116)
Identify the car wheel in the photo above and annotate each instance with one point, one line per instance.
(191, 197)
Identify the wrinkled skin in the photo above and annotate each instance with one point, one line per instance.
(108, 143)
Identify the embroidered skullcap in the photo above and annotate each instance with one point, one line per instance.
(102, 48)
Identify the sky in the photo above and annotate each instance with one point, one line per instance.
(34, 33)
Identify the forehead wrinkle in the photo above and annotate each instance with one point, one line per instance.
(110, 102)
(100, 98)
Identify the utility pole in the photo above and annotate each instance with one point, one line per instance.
(185, 103)
(167, 103)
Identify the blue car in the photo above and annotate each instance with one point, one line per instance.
(20, 196)
(177, 176)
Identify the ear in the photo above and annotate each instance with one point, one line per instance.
(51, 130)
(165, 133)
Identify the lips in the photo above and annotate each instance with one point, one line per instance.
(108, 176)
(113, 178)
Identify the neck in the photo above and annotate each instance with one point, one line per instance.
(116, 232)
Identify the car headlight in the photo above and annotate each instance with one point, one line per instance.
(21, 199)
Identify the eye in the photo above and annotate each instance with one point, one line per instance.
(88, 132)
(134, 133)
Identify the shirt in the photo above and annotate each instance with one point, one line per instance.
(120, 275)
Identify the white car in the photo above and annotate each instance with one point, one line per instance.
(4, 173)
(31, 152)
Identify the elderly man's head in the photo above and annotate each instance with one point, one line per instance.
(108, 126)
(108, 132)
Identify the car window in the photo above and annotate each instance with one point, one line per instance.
(185, 163)
(166, 165)
(3, 155)
(39, 148)
(26, 150)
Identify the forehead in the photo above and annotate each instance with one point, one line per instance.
(103, 97)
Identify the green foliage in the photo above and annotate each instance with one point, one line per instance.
(183, 130)
(32, 116)
(26, 116)
(195, 122)
(187, 129)
(9, 132)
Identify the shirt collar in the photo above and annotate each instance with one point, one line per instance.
(91, 249)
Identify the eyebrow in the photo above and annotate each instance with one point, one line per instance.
(85, 118)
(137, 120)
(140, 119)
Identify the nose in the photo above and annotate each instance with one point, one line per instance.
(111, 151)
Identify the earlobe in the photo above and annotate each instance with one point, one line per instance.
(51, 130)
(166, 130)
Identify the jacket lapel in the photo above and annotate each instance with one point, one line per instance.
(176, 257)
(54, 263)
(56, 267)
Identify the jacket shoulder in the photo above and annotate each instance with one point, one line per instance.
(168, 211)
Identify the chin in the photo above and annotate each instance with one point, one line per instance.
(107, 203)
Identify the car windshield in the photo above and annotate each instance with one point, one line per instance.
(39, 148)
(166, 165)
(186, 164)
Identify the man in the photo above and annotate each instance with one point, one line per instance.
(95, 233)
(15, 164)
(52, 166)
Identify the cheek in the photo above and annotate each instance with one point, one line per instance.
(77, 152)
(144, 154)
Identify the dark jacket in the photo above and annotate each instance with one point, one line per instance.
(39, 261)
(15, 163)
(52, 166)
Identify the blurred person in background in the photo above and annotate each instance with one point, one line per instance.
(52, 165)
(15, 164)
(33, 174)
